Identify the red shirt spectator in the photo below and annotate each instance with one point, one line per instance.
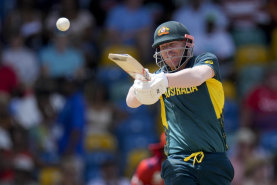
(8, 79)
(148, 171)
(260, 105)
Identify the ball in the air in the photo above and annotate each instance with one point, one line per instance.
(63, 24)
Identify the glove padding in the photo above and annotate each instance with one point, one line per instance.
(149, 92)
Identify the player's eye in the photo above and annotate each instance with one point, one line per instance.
(164, 47)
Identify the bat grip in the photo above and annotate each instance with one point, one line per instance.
(146, 74)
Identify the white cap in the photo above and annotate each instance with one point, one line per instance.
(246, 135)
(23, 162)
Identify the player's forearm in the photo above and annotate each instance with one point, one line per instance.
(131, 99)
(189, 77)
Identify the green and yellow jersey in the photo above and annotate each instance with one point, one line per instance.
(192, 117)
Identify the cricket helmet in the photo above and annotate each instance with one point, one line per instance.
(168, 32)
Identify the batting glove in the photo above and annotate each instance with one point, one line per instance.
(143, 93)
(159, 82)
(149, 92)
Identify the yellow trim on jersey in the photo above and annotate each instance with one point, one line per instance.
(216, 92)
(209, 62)
(163, 113)
(194, 156)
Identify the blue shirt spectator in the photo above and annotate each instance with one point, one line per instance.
(127, 22)
(130, 24)
(61, 60)
(72, 122)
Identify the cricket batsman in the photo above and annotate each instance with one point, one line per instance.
(192, 100)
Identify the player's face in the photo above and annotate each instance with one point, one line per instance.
(172, 53)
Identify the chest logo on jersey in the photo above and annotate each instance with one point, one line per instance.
(179, 91)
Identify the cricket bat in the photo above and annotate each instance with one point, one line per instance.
(130, 65)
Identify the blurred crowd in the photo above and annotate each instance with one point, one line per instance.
(63, 116)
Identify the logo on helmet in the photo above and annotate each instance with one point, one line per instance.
(163, 31)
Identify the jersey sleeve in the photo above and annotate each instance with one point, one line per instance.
(210, 60)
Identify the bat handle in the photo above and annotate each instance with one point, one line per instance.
(146, 74)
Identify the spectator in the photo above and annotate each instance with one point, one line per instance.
(5, 123)
(246, 148)
(71, 120)
(24, 170)
(22, 59)
(161, 9)
(5, 7)
(245, 13)
(109, 175)
(24, 109)
(43, 136)
(82, 21)
(23, 161)
(193, 14)
(259, 110)
(257, 172)
(272, 5)
(6, 145)
(149, 170)
(100, 10)
(83, 32)
(21, 141)
(213, 39)
(7, 171)
(102, 115)
(71, 171)
(60, 59)
(8, 79)
(274, 174)
(132, 24)
(26, 19)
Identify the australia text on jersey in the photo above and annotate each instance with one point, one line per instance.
(179, 91)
